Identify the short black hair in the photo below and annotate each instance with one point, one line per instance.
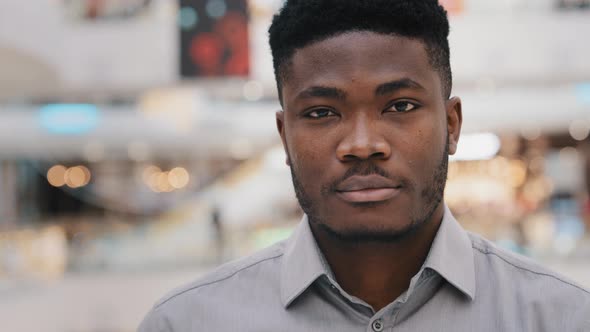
(302, 22)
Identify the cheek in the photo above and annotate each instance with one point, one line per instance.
(307, 153)
(423, 146)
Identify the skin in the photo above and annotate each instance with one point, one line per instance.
(371, 108)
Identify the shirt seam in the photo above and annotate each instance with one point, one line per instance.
(486, 252)
(217, 280)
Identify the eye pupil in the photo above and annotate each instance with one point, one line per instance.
(321, 113)
(403, 106)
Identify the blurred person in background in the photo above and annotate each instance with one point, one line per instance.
(368, 124)
(218, 233)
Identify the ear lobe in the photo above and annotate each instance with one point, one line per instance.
(452, 147)
(280, 119)
(454, 122)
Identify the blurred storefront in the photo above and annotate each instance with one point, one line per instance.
(530, 197)
(140, 135)
(131, 125)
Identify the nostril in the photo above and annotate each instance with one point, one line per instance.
(357, 157)
(378, 155)
(371, 148)
(350, 157)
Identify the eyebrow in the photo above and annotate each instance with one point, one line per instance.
(322, 92)
(404, 83)
(382, 89)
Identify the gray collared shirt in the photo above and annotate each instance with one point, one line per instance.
(465, 284)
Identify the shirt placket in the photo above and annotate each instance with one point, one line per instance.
(375, 322)
(386, 319)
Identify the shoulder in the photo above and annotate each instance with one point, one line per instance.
(520, 285)
(248, 270)
(522, 271)
(229, 288)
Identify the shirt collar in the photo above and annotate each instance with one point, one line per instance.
(451, 256)
(302, 264)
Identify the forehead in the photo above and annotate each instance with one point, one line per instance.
(362, 58)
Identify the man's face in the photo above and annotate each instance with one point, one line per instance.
(367, 133)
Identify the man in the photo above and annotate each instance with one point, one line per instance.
(367, 126)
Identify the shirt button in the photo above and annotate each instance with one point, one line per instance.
(377, 325)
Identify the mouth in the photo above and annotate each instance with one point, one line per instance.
(367, 189)
(369, 195)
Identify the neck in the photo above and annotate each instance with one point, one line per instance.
(377, 272)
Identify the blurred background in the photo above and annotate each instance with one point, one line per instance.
(138, 147)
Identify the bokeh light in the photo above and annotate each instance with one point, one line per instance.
(188, 18)
(148, 172)
(163, 185)
(178, 177)
(56, 175)
(165, 181)
(216, 8)
(73, 177)
(76, 177)
(579, 129)
(531, 133)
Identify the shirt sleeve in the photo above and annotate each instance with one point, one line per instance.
(155, 321)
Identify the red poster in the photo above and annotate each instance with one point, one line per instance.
(214, 38)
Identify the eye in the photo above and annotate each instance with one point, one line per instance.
(402, 107)
(319, 113)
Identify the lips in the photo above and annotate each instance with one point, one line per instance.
(365, 189)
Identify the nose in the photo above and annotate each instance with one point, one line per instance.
(363, 141)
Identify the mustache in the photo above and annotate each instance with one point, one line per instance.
(361, 169)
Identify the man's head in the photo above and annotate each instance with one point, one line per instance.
(367, 123)
(300, 23)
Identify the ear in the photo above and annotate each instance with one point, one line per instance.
(280, 118)
(454, 122)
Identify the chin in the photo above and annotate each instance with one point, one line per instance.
(369, 230)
